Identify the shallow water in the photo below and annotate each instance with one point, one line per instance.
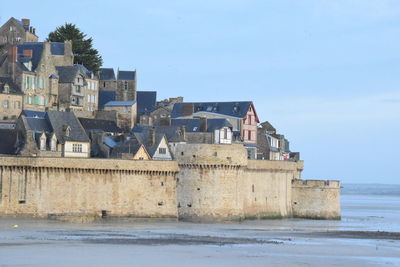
(290, 242)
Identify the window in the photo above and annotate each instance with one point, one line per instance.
(126, 85)
(76, 147)
(162, 150)
(249, 135)
(225, 133)
(104, 84)
(28, 99)
(17, 105)
(78, 89)
(43, 143)
(5, 104)
(36, 100)
(53, 144)
(249, 119)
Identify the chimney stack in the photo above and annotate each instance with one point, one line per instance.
(12, 54)
(152, 136)
(26, 23)
(27, 53)
(203, 124)
(34, 31)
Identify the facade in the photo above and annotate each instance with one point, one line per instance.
(273, 146)
(125, 112)
(32, 67)
(126, 86)
(242, 116)
(10, 100)
(78, 89)
(107, 80)
(16, 31)
(56, 134)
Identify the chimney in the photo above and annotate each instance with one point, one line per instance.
(25, 23)
(187, 109)
(183, 132)
(152, 136)
(30, 29)
(34, 31)
(27, 53)
(203, 124)
(12, 54)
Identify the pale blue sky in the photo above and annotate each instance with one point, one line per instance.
(325, 73)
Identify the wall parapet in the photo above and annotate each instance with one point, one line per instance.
(334, 184)
(90, 164)
(279, 165)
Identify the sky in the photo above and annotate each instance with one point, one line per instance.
(325, 73)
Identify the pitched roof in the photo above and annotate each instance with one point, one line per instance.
(172, 133)
(13, 87)
(37, 50)
(131, 145)
(267, 126)
(9, 138)
(147, 101)
(107, 74)
(232, 109)
(193, 124)
(67, 74)
(57, 48)
(103, 125)
(126, 75)
(105, 97)
(33, 113)
(39, 124)
(119, 103)
(61, 120)
(145, 139)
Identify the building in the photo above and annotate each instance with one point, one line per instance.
(125, 112)
(107, 80)
(32, 67)
(57, 134)
(16, 31)
(129, 148)
(205, 131)
(242, 116)
(273, 146)
(155, 142)
(126, 86)
(10, 100)
(161, 115)
(78, 89)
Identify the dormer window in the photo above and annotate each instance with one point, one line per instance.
(43, 142)
(6, 89)
(67, 130)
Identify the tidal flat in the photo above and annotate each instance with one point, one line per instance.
(367, 235)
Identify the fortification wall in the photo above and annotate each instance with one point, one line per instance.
(217, 182)
(43, 186)
(316, 199)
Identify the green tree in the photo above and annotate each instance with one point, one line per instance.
(82, 47)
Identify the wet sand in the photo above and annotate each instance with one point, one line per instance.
(367, 236)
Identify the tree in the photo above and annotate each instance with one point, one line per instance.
(82, 48)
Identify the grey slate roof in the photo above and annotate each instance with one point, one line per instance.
(9, 139)
(37, 50)
(33, 113)
(193, 125)
(119, 103)
(232, 109)
(146, 100)
(144, 138)
(103, 125)
(57, 48)
(60, 120)
(39, 124)
(67, 74)
(126, 75)
(172, 133)
(107, 74)
(130, 146)
(105, 97)
(13, 87)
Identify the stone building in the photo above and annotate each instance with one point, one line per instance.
(57, 134)
(10, 99)
(123, 111)
(32, 67)
(161, 115)
(78, 89)
(242, 116)
(107, 80)
(16, 31)
(124, 85)
(271, 145)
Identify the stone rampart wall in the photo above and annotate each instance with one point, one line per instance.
(316, 199)
(44, 186)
